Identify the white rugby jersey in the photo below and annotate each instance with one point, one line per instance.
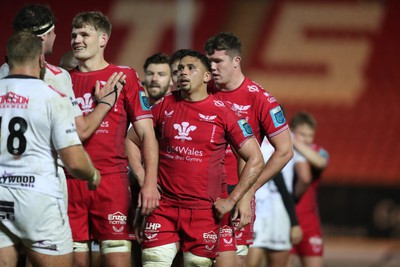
(35, 121)
(59, 79)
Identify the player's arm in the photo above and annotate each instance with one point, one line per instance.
(282, 154)
(106, 99)
(302, 170)
(79, 165)
(149, 195)
(132, 150)
(250, 152)
(312, 156)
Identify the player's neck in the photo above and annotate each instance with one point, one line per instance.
(92, 64)
(195, 95)
(234, 83)
(25, 70)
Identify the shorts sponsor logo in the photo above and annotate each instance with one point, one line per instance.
(117, 218)
(151, 231)
(20, 180)
(43, 245)
(210, 237)
(210, 248)
(226, 231)
(118, 230)
(7, 211)
(228, 241)
(315, 243)
(153, 226)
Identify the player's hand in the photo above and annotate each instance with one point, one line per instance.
(94, 182)
(111, 90)
(148, 198)
(243, 211)
(296, 234)
(139, 223)
(222, 206)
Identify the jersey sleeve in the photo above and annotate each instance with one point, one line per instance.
(60, 79)
(63, 131)
(238, 129)
(137, 105)
(271, 115)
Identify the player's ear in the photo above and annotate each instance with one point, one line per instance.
(236, 61)
(103, 39)
(207, 76)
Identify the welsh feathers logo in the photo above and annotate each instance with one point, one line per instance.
(183, 130)
(86, 103)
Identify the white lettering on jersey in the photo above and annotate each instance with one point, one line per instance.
(207, 118)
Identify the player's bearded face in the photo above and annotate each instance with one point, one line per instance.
(157, 80)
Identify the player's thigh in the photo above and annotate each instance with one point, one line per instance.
(312, 261)
(277, 258)
(39, 259)
(8, 256)
(255, 256)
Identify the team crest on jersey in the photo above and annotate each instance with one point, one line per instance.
(184, 130)
(253, 88)
(245, 126)
(13, 100)
(144, 101)
(277, 116)
(241, 109)
(207, 118)
(86, 103)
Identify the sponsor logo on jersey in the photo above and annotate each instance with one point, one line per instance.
(246, 128)
(241, 109)
(253, 88)
(85, 103)
(144, 101)
(277, 116)
(183, 130)
(117, 218)
(269, 97)
(13, 100)
(219, 103)
(207, 118)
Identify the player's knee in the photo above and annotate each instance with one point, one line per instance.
(80, 247)
(159, 256)
(191, 260)
(242, 250)
(112, 246)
